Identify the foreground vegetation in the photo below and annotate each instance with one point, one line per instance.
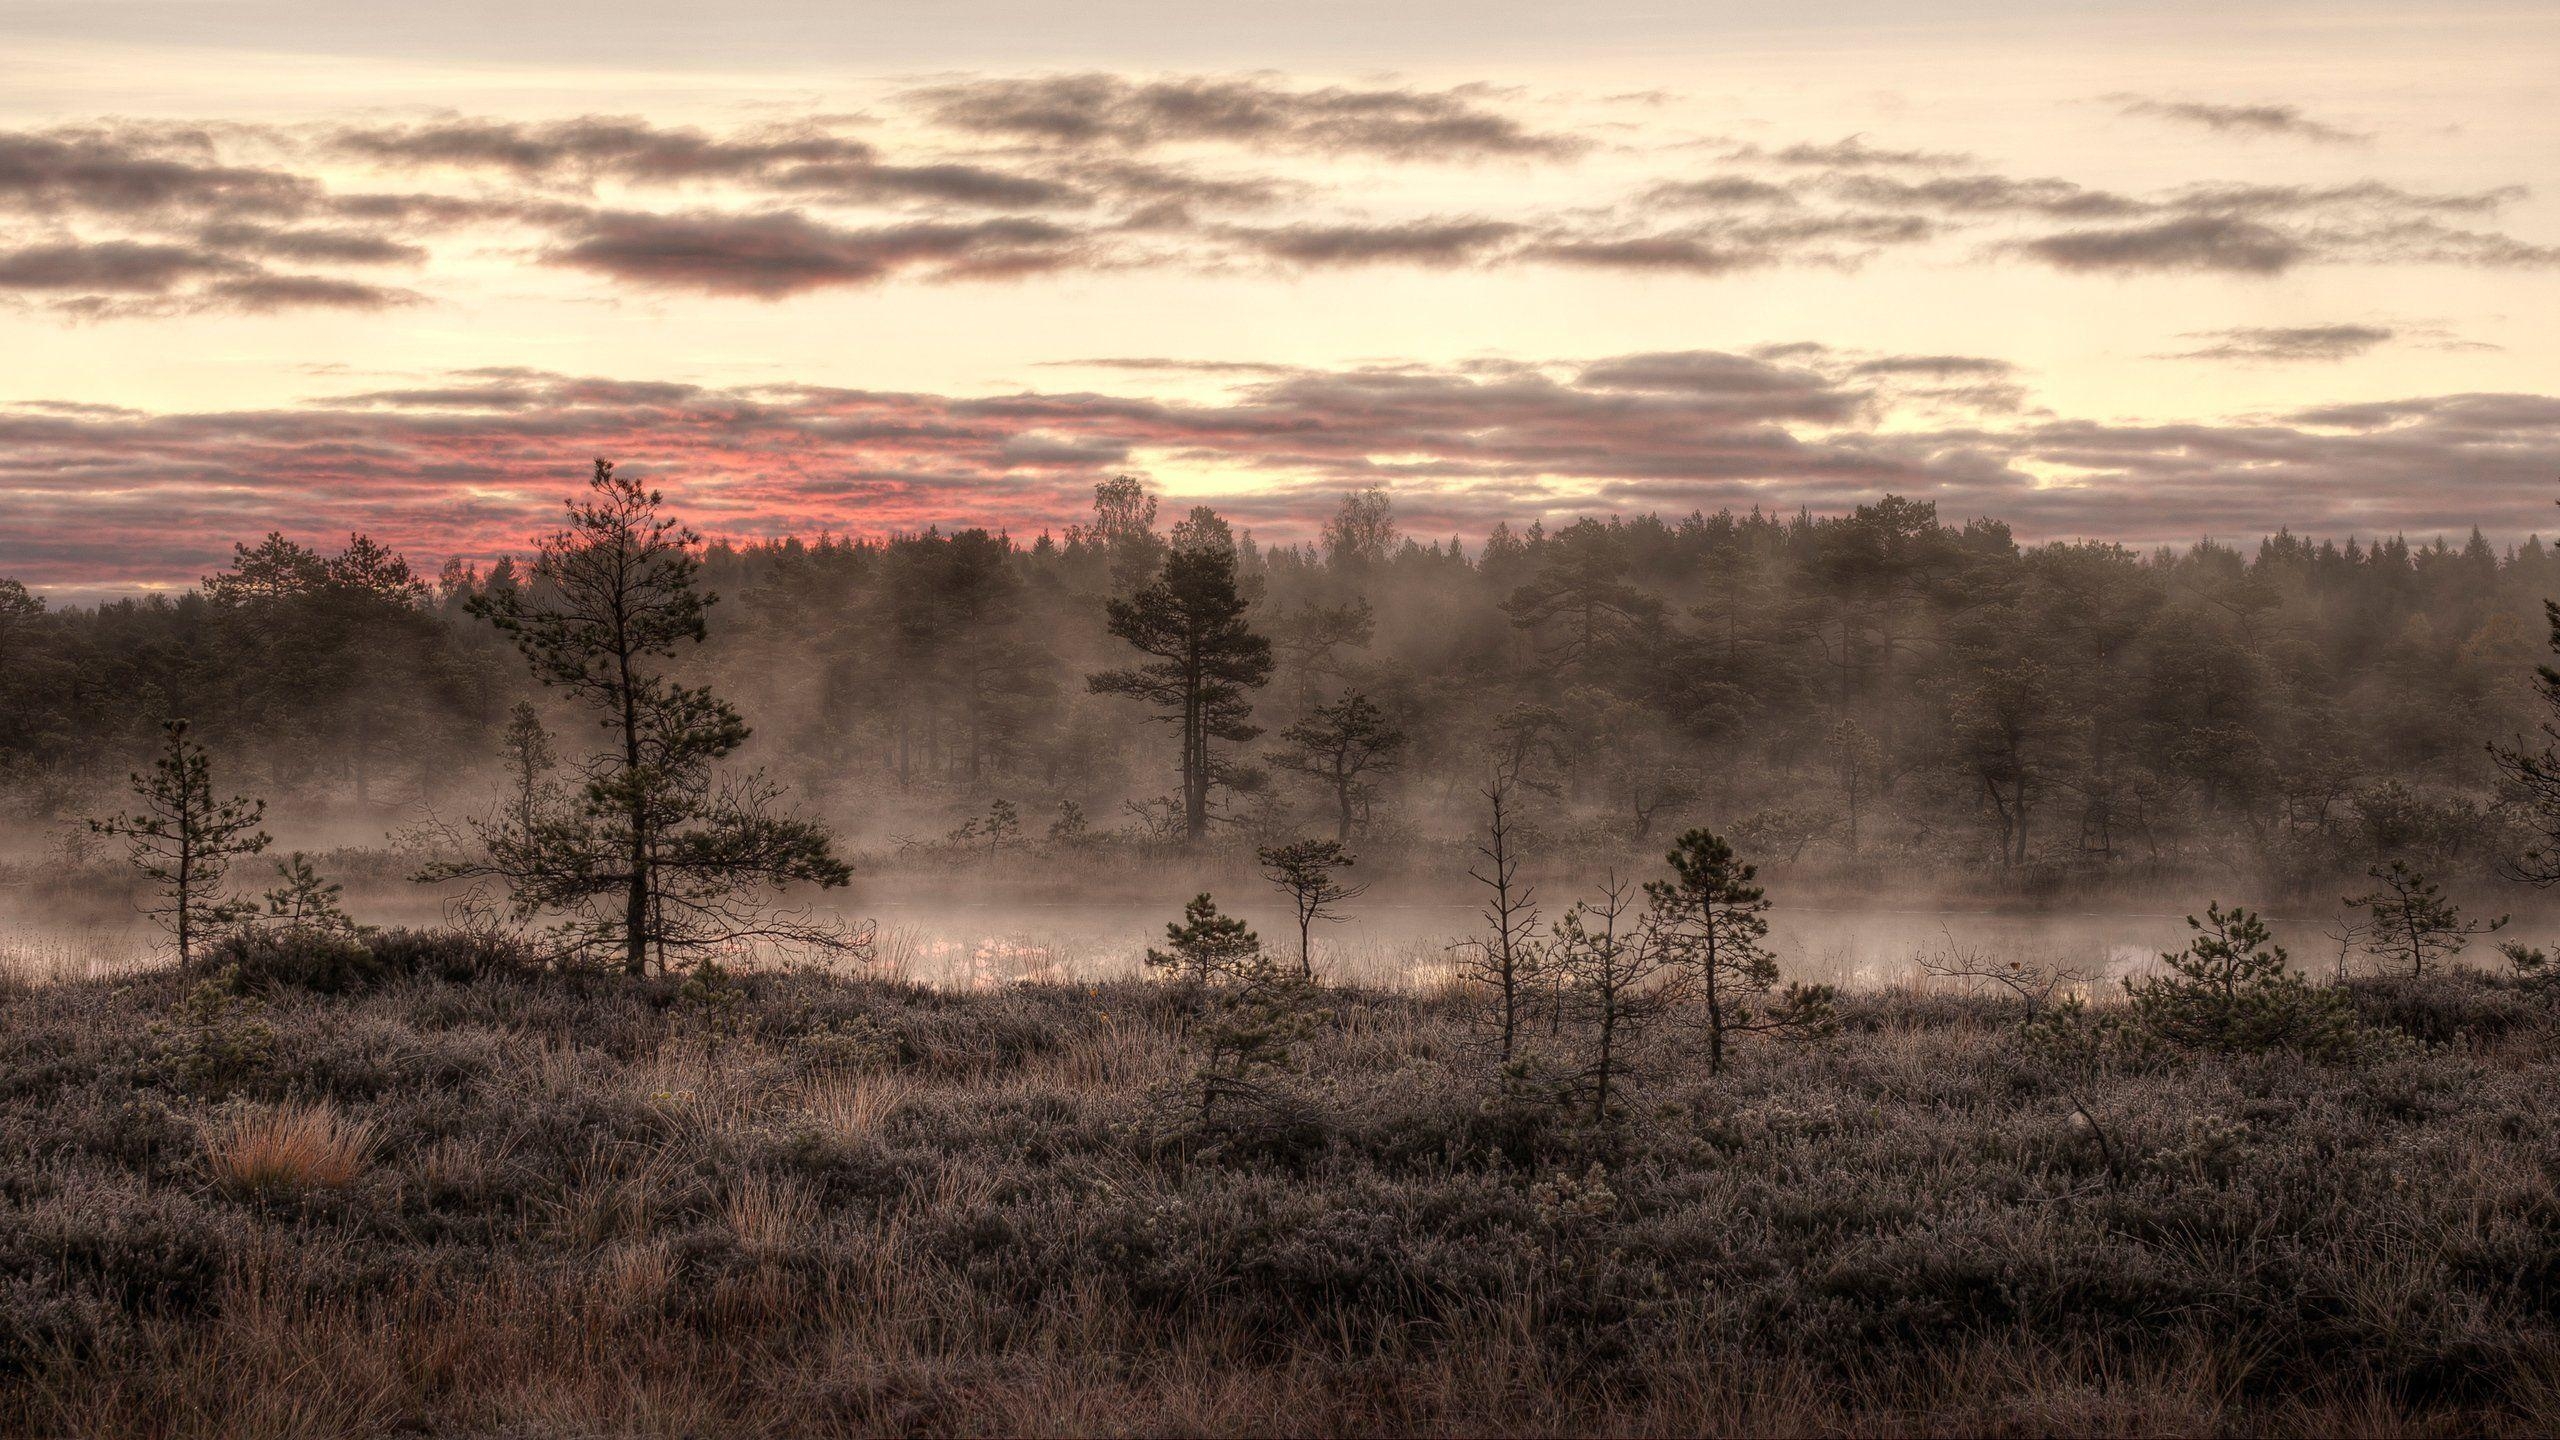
(407, 1184)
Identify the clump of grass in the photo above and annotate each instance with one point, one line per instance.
(856, 1106)
(286, 1151)
(771, 1216)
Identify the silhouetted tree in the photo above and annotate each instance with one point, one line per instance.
(1608, 961)
(1190, 617)
(2409, 922)
(530, 759)
(1580, 599)
(1344, 747)
(1304, 871)
(2233, 989)
(1310, 638)
(302, 900)
(183, 839)
(1714, 921)
(1362, 533)
(1205, 946)
(1506, 959)
(664, 853)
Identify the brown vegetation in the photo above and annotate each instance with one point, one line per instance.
(776, 1204)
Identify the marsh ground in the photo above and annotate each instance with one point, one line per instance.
(554, 1205)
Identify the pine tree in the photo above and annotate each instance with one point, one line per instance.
(1205, 947)
(1190, 618)
(2411, 923)
(530, 759)
(306, 902)
(2234, 989)
(1343, 747)
(664, 854)
(1304, 871)
(184, 840)
(1714, 920)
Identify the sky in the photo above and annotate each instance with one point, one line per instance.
(2143, 273)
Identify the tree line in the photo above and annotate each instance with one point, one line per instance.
(1879, 687)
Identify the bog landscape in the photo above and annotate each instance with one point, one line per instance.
(1199, 725)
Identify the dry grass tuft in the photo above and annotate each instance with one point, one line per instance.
(286, 1151)
(856, 1106)
(770, 1215)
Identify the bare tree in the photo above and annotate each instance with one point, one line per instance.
(2058, 1029)
(1608, 961)
(1506, 959)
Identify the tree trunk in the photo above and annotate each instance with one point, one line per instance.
(635, 911)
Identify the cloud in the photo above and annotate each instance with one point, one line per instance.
(1693, 254)
(1986, 195)
(113, 266)
(1425, 242)
(1719, 192)
(2191, 242)
(627, 147)
(262, 294)
(345, 247)
(1739, 384)
(804, 159)
(2285, 344)
(1850, 153)
(2285, 121)
(137, 170)
(780, 253)
(472, 462)
(1253, 111)
(997, 178)
(1938, 367)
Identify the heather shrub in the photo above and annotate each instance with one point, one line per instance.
(331, 960)
(551, 1203)
(214, 1040)
(324, 961)
(2445, 1005)
(445, 954)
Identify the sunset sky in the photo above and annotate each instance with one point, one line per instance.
(2133, 272)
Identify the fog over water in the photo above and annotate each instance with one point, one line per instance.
(959, 934)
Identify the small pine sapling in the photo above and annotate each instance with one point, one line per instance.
(2234, 990)
(2410, 923)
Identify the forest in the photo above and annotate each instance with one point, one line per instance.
(1886, 693)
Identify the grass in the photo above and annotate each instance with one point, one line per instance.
(286, 1151)
(556, 1205)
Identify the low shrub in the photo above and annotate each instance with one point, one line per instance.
(339, 962)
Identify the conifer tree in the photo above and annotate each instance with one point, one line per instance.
(2234, 989)
(1205, 946)
(664, 855)
(2411, 923)
(1714, 921)
(1342, 747)
(1191, 619)
(1304, 871)
(183, 840)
